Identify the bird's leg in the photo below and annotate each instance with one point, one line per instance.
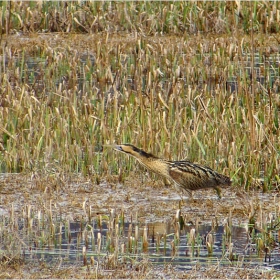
(181, 196)
(181, 192)
(190, 194)
(218, 191)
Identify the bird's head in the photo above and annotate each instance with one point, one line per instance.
(124, 148)
(130, 149)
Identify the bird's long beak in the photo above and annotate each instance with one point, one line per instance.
(114, 146)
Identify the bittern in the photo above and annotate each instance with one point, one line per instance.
(185, 174)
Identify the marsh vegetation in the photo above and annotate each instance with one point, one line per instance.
(181, 80)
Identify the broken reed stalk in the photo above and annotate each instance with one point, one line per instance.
(145, 243)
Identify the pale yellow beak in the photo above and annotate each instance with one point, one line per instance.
(114, 146)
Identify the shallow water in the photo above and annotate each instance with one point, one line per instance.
(54, 231)
(164, 246)
(35, 67)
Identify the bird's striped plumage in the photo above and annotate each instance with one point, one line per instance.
(185, 174)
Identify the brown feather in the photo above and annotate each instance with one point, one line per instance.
(187, 175)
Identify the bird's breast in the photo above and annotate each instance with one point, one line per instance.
(158, 166)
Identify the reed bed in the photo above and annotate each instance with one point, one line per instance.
(148, 17)
(168, 95)
(215, 102)
(183, 80)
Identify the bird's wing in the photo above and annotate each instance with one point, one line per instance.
(193, 176)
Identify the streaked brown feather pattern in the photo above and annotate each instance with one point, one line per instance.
(187, 175)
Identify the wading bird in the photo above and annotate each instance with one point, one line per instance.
(185, 174)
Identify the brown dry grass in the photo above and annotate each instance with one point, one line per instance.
(55, 123)
(156, 75)
(149, 202)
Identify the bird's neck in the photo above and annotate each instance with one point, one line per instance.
(157, 165)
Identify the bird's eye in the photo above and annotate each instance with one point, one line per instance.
(119, 148)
